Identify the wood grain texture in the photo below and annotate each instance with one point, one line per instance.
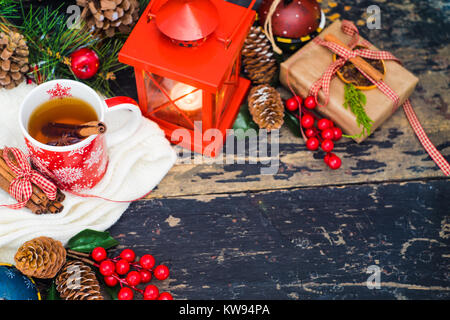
(309, 243)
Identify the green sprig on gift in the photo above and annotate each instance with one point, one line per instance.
(356, 100)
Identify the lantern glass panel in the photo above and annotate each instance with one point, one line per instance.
(185, 107)
(226, 92)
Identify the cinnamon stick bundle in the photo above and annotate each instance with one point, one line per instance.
(39, 203)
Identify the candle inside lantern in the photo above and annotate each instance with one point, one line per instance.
(189, 99)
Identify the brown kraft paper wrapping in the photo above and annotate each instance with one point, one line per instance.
(309, 63)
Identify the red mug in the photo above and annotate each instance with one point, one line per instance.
(82, 165)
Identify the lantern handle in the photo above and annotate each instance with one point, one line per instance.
(227, 40)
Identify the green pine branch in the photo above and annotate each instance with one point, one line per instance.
(8, 8)
(356, 100)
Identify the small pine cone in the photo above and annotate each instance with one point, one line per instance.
(77, 281)
(108, 17)
(258, 57)
(40, 258)
(266, 107)
(13, 59)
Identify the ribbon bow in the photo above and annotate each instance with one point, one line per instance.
(344, 55)
(21, 187)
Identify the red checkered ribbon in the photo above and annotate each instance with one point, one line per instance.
(344, 54)
(21, 187)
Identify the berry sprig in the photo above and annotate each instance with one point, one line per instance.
(133, 272)
(319, 132)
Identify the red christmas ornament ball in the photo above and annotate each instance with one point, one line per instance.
(84, 63)
(161, 272)
(292, 19)
(151, 292)
(165, 296)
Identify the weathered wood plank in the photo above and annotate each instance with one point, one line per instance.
(309, 243)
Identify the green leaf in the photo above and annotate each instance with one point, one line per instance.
(52, 293)
(87, 240)
(244, 122)
(113, 291)
(292, 123)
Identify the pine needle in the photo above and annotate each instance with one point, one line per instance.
(356, 100)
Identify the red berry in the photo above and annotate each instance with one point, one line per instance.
(125, 294)
(293, 103)
(111, 281)
(327, 145)
(328, 134)
(107, 267)
(151, 292)
(146, 275)
(337, 133)
(310, 132)
(128, 255)
(99, 254)
(165, 296)
(147, 261)
(310, 102)
(161, 272)
(323, 124)
(133, 278)
(307, 121)
(327, 158)
(334, 162)
(122, 267)
(312, 144)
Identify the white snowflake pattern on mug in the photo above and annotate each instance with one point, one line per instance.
(94, 158)
(68, 174)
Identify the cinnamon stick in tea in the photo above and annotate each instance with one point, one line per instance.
(56, 129)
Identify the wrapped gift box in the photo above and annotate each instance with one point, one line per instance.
(309, 63)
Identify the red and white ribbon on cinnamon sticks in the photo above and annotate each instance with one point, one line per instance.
(344, 54)
(21, 187)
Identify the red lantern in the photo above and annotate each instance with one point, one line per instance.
(187, 62)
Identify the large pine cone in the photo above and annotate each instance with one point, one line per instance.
(106, 17)
(77, 281)
(266, 107)
(13, 58)
(40, 258)
(258, 57)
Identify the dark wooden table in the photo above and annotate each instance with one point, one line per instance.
(307, 232)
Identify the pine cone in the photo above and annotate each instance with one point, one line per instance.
(258, 57)
(13, 59)
(40, 258)
(266, 107)
(106, 17)
(77, 281)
